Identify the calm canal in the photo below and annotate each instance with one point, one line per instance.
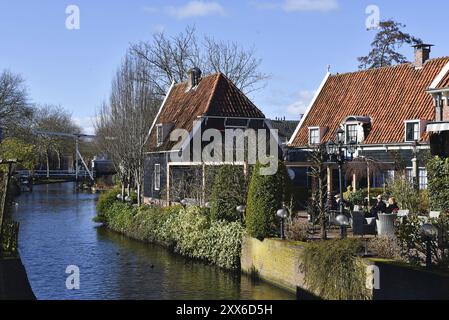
(56, 230)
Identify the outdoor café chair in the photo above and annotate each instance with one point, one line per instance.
(358, 222)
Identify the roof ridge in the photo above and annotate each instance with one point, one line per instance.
(232, 84)
(387, 67)
(214, 91)
(202, 77)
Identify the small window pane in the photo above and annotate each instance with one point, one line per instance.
(351, 133)
(159, 134)
(423, 179)
(157, 177)
(314, 136)
(412, 131)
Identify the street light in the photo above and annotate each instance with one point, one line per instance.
(336, 152)
(184, 203)
(241, 209)
(343, 222)
(283, 214)
(429, 232)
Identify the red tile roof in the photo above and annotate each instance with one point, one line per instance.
(215, 95)
(389, 96)
(444, 83)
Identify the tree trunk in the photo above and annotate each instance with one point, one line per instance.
(47, 158)
(139, 194)
(59, 159)
(123, 190)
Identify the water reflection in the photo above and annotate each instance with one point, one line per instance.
(57, 231)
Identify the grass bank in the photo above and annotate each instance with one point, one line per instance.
(187, 231)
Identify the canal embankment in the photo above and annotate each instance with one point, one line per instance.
(57, 231)
(14, 284)
(188, 231)
(282, 264)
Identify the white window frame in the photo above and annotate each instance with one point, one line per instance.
(159, 134)
(317, 129)
(157, 176)
(408, 122)
(423, 179)
(357, 127)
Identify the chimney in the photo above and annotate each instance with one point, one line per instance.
(422, 54)
(194, 77)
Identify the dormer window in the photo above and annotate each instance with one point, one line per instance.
(352, 133)
(356, 129)
(316, 134)
(412, 130)
(159, 134)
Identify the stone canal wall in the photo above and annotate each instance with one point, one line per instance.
(277, 262)
(274, 261)
(14, 284)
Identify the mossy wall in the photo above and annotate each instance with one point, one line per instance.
(274, 261)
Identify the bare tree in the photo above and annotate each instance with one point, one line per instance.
(123, 124)
(51, 118)
(169, 59)
(14, 107)
(318, 158)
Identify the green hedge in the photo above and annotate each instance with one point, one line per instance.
(267, 194)
(228, 192)
(188, 232)
(438, 178)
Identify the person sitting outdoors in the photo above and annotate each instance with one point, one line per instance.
(379, 207)
(392, 206)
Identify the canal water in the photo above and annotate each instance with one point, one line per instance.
(57, 231)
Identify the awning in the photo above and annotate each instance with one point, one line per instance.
(438, 127)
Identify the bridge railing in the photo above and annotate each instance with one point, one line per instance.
(52, 173)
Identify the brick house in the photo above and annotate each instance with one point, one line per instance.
(389, 112)
(203, 102)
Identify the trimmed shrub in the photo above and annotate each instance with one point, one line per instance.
(105, 201)
(386, 247)
(188, 232)
(334, 271)
(298, 230)
(438, 179)
(228, 192)
(413, 245)
(267, 193)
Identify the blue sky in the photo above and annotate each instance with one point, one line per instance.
(296, 39)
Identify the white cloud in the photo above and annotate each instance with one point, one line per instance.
(196, 9)
(310, 5)
(299, 5)
(300, 105)
(86, 124)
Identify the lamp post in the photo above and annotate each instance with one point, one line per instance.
(282, 214)
(429, 232)
(415, 162)
(336, 152)
(184, 203)
(343, 222)
(241, 209)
